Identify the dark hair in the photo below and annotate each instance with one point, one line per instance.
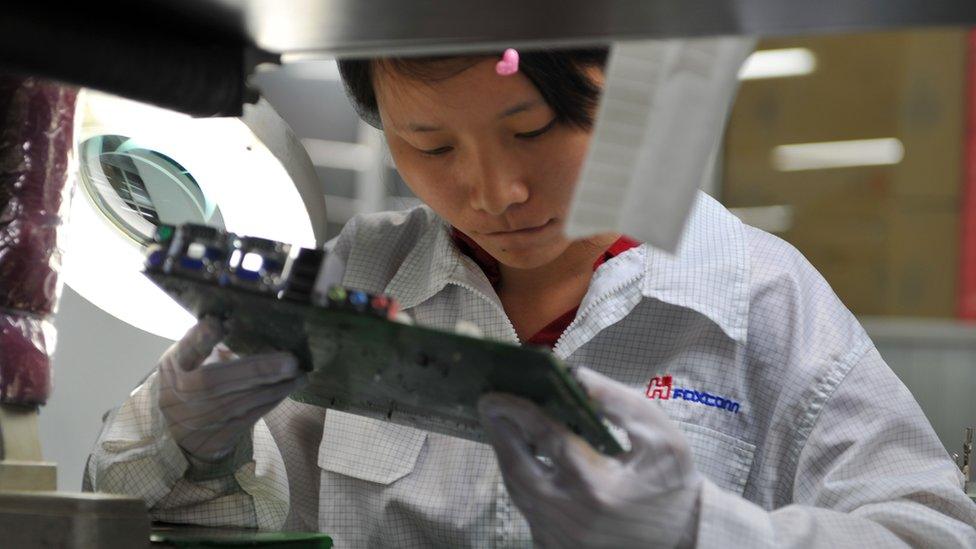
(559, 75)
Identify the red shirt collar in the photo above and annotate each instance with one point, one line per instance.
(489, 265)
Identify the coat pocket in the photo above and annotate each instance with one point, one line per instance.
(368, 449)
(722, 458)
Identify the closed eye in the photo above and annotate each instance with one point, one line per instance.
(438, 151)
(537, 133)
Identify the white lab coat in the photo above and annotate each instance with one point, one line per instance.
(807, 437)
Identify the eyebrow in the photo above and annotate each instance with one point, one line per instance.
(511, 111)
(421, 128)
(521, 107)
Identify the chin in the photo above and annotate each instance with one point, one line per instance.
(530, 258)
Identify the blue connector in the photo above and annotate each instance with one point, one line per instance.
(156, 258)
(191, 264)
(358, 300)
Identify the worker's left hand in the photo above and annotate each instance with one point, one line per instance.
(645, 497)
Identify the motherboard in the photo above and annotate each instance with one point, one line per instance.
(359, 358)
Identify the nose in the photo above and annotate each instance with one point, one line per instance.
(497, 186)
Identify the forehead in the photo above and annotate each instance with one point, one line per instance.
(471, 88)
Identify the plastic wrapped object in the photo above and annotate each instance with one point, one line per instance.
(36, 130)
(26, 346)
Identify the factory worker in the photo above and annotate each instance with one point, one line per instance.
(757, 410)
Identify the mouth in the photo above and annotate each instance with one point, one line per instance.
(525, 230)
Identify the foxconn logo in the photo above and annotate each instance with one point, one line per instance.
(662, 388)
(659, 387)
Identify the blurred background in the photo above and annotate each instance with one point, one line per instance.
(858, 149)
(865, 159)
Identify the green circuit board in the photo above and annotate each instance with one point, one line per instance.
(409, 375)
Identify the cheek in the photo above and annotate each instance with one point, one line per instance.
(558, 167)
(433, 184)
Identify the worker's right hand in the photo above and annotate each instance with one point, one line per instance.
(210, 397)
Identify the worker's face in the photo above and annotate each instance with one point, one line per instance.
(484, 151)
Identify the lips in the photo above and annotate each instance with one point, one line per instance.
(524, 230)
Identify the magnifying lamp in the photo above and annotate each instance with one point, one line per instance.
(140, 165)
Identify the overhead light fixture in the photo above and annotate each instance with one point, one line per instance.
(780, 63)
(838, 154)
(141, 165)
(777, 63)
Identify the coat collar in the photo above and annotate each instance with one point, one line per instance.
(431, 265)
(709, 273)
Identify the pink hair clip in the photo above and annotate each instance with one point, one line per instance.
(509, 64)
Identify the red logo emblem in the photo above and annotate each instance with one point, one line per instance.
(659, 387)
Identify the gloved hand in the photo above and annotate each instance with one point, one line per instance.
(645, 497)
(209, 403)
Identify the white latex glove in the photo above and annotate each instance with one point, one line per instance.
(209, 403)
(645, 497)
